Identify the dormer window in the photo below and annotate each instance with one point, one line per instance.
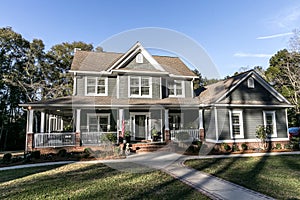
(139, 58)
(96, 86)
(250, 82)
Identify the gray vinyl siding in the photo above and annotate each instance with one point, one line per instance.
(209, 124)
(155, 87)
(112, 86)
(243, 94)
(281, 123)
(80, 86)
(223, 124)
(188, 89)
(123, 87)
(252, 118)
(191, 119)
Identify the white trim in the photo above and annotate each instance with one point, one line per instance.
(140, 87)
(160, 88)
(274, 134)
(245, 140)
(96, 85)
(140, 72)
(250, 105)
(201, 119)
(182, 76)
(192, 89)
(175, 88)
(167, 128)
(79, 72)
(78, 120)
(147, 126)
(75, 85)
(98, 115)
(118, 87)
(250, 83)
(287, 123)
(216, 123)
(42, 128)
(30, 125)
(241, 124)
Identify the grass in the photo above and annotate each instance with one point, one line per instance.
(91, 181)
(276, 176)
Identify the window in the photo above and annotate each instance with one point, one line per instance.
(98, 122)
(140, 87)
(250, 82)
(139, 58)
(270, 123)
(236, 124)
(175, 88)
(175, 121)
(96, 86)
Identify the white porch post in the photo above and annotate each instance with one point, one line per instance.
(200, 118)
(201, 127)
(78, 120)
(42, 128)
(30, 124)
(167, 128)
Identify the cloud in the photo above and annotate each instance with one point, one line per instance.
(253, 55)
(274, 36)
(288, 17)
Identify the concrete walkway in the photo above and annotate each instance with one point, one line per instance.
(172, 164)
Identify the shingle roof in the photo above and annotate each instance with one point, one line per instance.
(215, 91)
(100, 61)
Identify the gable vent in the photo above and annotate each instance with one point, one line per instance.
(139, 58)
(251, 82)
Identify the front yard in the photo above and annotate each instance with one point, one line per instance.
(91, 181)
(276, 176)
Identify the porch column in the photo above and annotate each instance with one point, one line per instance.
(29, 133)
(201, 127)
(121, 125)
(167, 129)
(77, 133)
(42, 128)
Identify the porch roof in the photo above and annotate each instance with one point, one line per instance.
(111, 102)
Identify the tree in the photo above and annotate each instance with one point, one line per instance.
(283, 73)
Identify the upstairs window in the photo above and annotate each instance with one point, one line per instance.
(236, 124)
(251, 82)
(96, 86)
(140, 87)
(175, 88)
(270, 123)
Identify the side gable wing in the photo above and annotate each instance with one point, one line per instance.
(261, 94)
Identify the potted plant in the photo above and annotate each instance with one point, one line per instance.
(154, 134)
(127, 136)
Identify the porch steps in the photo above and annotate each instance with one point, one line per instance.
(150, 147)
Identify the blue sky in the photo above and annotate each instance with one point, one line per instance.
(234, 33)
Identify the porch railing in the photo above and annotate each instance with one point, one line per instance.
(95, 138)
(54, 139)
(185, 134)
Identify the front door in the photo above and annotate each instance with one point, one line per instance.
(140, 127)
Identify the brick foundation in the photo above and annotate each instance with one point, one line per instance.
(167, 136)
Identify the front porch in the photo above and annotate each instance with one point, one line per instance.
(58, 127)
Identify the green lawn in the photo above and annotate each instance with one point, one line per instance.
(276, 176)
(91, 181)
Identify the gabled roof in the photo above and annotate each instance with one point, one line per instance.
(109, 61)
(217, 92)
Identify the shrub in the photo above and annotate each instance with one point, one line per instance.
(7, 157)
(226, 146)
(111, 137)
(244, 146)
(235, 147)
(62, 153)
(36, 154)
(278, 146)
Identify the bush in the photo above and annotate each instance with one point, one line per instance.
(244, 146)
(62, 153)
(36, 154)
(278, 146)
(226, 146)
(7, 157)
(112, 137)
(235, 147)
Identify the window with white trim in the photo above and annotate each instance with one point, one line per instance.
(270, 123)
(176, 88)
(96, 86)
(140, 86)
(236, 124)
(98, 122)
(251, 82)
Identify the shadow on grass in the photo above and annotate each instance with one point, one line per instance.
(8, 175)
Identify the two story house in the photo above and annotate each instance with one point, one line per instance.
(137, 92)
